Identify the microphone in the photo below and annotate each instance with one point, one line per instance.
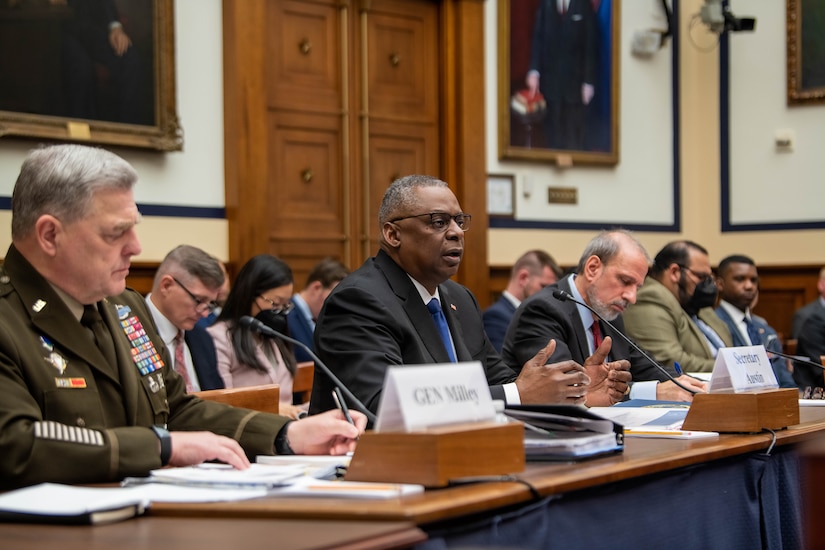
(797, 358)
(260, 328)
(564, 296)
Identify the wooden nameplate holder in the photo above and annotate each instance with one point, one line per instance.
(434, 457)
(743, 412)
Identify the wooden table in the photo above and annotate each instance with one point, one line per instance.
(641, 457)
(153, 533)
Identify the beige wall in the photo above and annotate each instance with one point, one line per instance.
(700, 162)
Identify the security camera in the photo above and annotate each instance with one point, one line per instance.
(720, 19)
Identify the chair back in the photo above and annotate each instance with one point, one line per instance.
(302, 383)
(262, 398)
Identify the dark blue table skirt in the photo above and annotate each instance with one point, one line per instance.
(749, 501)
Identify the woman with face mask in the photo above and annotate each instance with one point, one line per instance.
(263, 290)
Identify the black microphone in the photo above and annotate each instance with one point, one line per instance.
(798, 358)
(563, 296)
(264, 330)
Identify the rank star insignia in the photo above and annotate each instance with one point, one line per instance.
(57, 361)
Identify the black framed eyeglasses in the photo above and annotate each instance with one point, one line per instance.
(278, 308)
(200, 305)
(700, 276)
(440, 221)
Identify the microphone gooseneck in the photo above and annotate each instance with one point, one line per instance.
(260, 328)
(564, 296)
(798, 358)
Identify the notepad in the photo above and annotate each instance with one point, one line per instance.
(56, 503)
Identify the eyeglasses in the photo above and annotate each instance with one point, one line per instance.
(440, 221)
(278, 308)
(700, 276)
(200, 305)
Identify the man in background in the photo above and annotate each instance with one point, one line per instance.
(209, 320)
(324, 277)
(184, 291)
(610, 271)
(534, 270)
(673, 317)
(738, 283)
(817, 306)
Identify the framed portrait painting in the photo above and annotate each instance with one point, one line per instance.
(805, 51)
(90, 71)
(558, 80)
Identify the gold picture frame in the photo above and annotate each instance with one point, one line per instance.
(42, 103)
(585, 126)
(805, 48)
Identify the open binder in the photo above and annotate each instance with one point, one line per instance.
(566, 432)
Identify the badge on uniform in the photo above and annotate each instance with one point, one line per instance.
(52, 357)
(71, 383)
(145, 356)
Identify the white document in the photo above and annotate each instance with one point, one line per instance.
(652, 422)
(309, 487)
(316, 466)
(257, 476)
(742, 369)
(416, 397)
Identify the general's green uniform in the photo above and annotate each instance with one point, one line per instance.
(68, 416)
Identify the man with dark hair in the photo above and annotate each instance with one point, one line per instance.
(324, 277)
(738, 283)
(88, 392)
(534, 270)
(610, 271)
(817, 306)
(400, 308)
(673, 317)
(185, 289)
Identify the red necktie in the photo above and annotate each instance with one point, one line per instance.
(180, 360)
(597, 335)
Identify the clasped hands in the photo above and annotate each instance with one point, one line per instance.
(596, 383)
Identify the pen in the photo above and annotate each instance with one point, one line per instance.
(341, 404)
(678, 368)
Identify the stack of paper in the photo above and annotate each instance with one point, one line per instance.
(652, 421)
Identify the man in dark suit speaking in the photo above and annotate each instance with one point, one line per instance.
(610, 271)
(388, 311)
(186, 285)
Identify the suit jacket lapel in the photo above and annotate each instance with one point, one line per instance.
(415, 309)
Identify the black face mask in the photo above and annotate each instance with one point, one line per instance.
(704, 295)
(275, 321)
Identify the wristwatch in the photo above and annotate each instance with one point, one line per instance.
(165, 444)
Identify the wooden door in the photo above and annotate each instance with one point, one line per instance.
(328, 101)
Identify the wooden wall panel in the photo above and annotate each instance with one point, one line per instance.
(303, 53)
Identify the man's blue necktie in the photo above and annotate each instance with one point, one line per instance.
(753, 332)
(441, 324)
